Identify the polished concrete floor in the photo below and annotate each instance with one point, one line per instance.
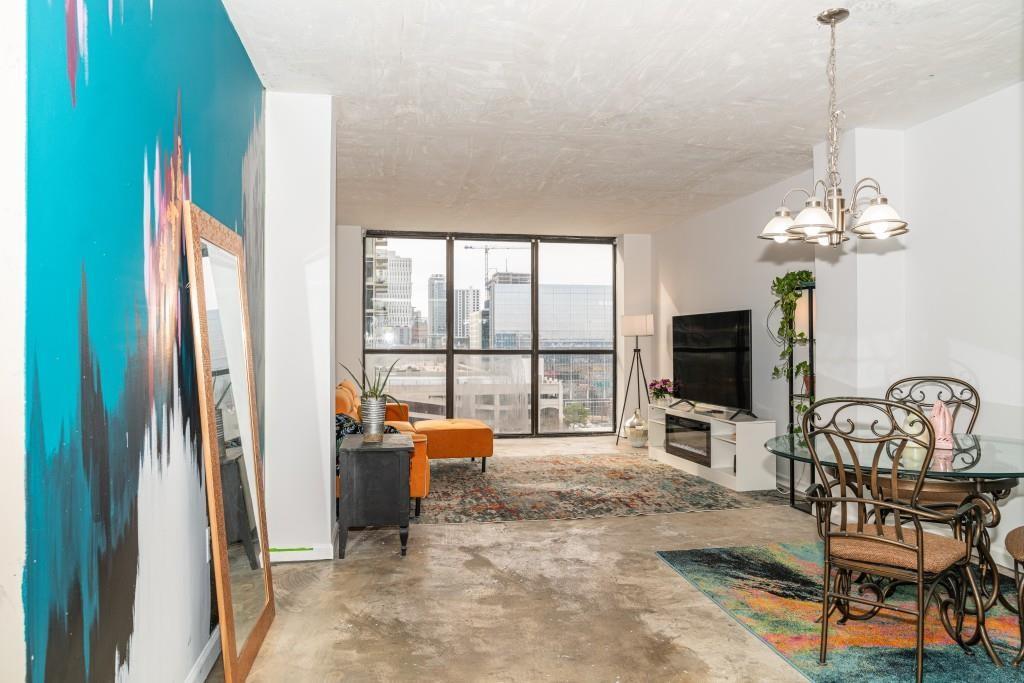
(578, 600)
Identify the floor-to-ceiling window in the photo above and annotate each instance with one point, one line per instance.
(516, 331)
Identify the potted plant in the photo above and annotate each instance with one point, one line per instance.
(787, 289)
(661, 389)
(373, 399)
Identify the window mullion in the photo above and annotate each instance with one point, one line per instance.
(450, 327)
(535, 337)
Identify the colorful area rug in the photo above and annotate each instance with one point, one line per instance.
(572, 487)
(775, 592)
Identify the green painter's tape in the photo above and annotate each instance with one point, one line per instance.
(289, 550)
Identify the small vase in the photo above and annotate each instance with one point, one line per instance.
(372, 412)
(636, 430)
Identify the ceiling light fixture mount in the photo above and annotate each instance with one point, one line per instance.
(824, 218)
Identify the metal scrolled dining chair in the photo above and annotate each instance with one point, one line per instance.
(964, 404)
(924, 392)
(867, 533)
(1015, 547)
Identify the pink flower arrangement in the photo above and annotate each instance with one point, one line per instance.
(661, 388)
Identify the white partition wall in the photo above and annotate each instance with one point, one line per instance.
(348, 343)
(634, 281)
(861, 288)
(300, 252)
(12, 341)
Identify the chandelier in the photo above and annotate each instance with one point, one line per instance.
(824, 219)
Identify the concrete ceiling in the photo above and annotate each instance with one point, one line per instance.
(606, 116)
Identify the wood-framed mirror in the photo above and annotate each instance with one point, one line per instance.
(231, 444)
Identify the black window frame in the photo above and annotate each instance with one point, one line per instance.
(534, 351)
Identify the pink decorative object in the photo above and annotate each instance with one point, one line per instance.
(942, 461)
(942, 422)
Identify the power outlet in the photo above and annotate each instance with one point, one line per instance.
(207, 545)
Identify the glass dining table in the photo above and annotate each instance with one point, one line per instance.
(977, 464)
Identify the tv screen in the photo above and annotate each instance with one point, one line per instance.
(711, 358)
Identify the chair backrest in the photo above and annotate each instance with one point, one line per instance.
(863, 436)
(961, 398)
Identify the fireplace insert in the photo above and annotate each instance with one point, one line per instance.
(688, 439)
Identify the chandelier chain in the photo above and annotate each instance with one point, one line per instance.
(827, 219)
(834, 179)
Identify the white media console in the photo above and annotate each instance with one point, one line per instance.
(730, 451)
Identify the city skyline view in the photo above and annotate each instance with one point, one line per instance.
(574, 295)
(492, 310)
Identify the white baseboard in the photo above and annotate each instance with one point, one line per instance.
(207, 658)
(320, 551)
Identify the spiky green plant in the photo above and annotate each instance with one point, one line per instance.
(377, 388)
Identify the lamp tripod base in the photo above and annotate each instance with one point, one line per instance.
(636, 367)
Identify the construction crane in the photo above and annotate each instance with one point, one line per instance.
(487, 248)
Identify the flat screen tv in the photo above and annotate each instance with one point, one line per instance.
(711, 358)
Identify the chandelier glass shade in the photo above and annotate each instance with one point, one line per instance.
(879, 221)
(813, 220)
(824, 217)
(778, 227)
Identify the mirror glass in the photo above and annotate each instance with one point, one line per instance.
(232, 399)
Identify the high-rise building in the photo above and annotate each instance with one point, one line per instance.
(467, 302)
(437, 327)
(479, 328)
(575, 316)
(388, 305)
(419, 329)
(510, 322)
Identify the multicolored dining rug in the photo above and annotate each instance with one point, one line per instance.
(775, 592)
(572, 487)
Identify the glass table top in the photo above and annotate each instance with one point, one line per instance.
(973, 456)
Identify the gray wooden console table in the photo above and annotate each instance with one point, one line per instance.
(374, 485)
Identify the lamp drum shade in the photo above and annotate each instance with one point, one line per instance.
(638, 325)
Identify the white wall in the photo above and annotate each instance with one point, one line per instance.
(861, 286)
(348, 299)
(713, 262)
(300, 290)
(965, 259)
(12, 341)
(633, 286)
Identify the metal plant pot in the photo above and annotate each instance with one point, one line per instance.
(372, 411)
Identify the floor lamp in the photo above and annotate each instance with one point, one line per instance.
(635, 326)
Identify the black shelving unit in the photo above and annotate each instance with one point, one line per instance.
(807, 288)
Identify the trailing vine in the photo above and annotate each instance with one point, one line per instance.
(787, 290)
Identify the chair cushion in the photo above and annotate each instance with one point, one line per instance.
(458, 438)
(939, 551)
(1015, 543)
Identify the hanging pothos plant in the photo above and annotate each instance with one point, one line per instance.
(786, 289)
